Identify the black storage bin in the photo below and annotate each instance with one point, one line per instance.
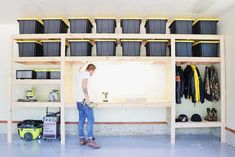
(106, 47)
(181, 26)
(25, 74)
(183, 48)
(205, 26)
(80, 48)
(105, 25)
(29, 48)
(80, 25)
(131, 47)
(51, 47)
(54, 74)
(155, 25)
(57, 25)
(30, 26)
(156, 47)
(42, 74)
(206, 49)
(130, 25)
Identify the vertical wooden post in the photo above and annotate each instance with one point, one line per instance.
(62, 90)
(173, 110)
(223, 88)
(10, 73)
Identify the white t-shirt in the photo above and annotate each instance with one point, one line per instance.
(84, 76)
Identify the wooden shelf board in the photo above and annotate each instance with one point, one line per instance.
(37, 60)
(197, 60)
(82, 60)
(36, 104)
(38, 36)
(93, 36)
(37, 81)
(125, 104)
(203, 124)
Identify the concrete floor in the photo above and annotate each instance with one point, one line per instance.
(130, 146)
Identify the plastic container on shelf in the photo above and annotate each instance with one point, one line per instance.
(42, 74)
(80, 47)
(131, 25)
(25, 74)
(155, 25)
(54, 74)
(80, 25)
(106, 47)
(156, 47)
(30, 26)
(181, 26)
(51, 47)
(105, 25)
(131, 47)
(183, 48)
(30, 48)
(205, 26)
(206, 49)
(55, 25)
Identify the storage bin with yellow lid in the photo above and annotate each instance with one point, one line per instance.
(30, 25)
(80, 25)
(55, 25)
(105, 24)
(181, 26)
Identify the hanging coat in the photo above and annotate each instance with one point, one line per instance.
(207, 87)
(214, 84)
(179, 84)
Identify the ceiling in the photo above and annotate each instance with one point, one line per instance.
(13, 9)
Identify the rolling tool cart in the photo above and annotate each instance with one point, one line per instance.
(51, 125)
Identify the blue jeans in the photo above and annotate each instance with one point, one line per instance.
(85, 112)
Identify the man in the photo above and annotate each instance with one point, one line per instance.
(85, 108)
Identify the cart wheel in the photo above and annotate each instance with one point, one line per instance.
(28, 136)
(40, 136)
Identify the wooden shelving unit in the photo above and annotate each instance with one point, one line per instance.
(65, 61)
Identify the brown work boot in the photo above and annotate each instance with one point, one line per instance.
(92, 143)
(83, 141)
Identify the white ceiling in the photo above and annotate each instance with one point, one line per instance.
(13, 9)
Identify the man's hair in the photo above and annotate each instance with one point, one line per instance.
(90, 67)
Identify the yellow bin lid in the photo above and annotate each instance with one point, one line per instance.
(57, 18)
(30, 18)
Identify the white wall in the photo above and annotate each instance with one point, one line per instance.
(227, 25)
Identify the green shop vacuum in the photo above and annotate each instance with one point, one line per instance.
(30, 129)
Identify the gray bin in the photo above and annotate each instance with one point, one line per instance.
(206, 49)
(80, 25)
(131, 47)
(130, 25)
(57, 25)
(181, 26)
(25, 74)
(54, 74)
(106, 47)
(51, 47)
(30, 26)
(205, 26)
(80, 48)
(105, 25)
(183, 48)
(156, 47)
(155, 26)
(30, 48)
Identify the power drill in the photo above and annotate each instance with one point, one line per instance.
(91, 105)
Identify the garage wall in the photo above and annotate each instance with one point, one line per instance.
(227, 24)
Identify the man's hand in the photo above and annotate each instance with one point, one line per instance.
(88, 102)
